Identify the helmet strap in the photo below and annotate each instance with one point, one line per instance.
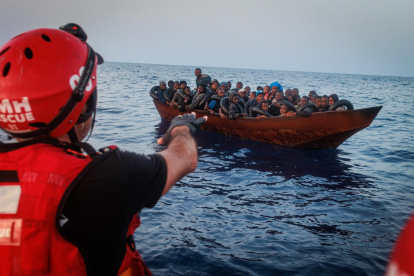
(72, 135)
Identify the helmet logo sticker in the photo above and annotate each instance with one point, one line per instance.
(15, 112)
(74, 80)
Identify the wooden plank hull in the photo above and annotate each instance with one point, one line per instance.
(318, 131)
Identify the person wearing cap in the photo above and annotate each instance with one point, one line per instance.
(201, 78)
(242, 94)
(67, 209)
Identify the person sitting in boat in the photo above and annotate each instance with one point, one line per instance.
(259, 88)
(234, 107)
(214, 105)
(307, 111)
(181, 87)
(288, 93)
(313, 98)
(239, 85)
(266, 91)
(170, 83)
(311, 93)
(325, 102)
(198, 102)
(274, 87)
(318, 103)
(214, 85)
(248, 90)
(295, 91)
(223, 85)
(173, 91)
(295, 101)
(263, 105)
(160, 92)
(186, 100)
(201, 78)
(242, 94)
(228, 85)
(274, 109)
(333, 98)
(252, 95)
(285, 112)
(254, 103)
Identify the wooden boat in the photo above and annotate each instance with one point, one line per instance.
(322, 130)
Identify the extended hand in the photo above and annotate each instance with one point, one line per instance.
(188, 120)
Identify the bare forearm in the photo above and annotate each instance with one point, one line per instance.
(180, 156)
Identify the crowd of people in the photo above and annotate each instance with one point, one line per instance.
(266, 101)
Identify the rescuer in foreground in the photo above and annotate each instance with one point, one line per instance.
(66, 209)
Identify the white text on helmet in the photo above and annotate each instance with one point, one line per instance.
(74, 80)
(16, 111)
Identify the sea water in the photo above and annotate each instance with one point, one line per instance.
(252, 208)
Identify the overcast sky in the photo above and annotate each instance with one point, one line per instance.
(372, 37)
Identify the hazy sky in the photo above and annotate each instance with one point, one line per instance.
(372, 37)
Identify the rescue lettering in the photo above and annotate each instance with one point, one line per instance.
(5, 232)
(16, 111)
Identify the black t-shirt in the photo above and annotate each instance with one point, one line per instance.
(102, 200)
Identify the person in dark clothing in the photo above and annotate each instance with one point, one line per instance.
(74, 210)
(214, 85)
(252, 95)
(198, 98)
(325, 102)
(263, 105)
(183, 102)
(254, 103)
(307, 111)
(201, 78)
(214, 105)
(242, 94)
(274, 109)
(160, 92)
(170, 83)
(234, 107)
(333, 98)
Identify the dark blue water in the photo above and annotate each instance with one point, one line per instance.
(252, 208)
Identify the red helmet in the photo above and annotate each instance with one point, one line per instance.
(46, 77)
(402, 260)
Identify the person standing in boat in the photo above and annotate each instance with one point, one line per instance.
(201, 78)
(68, 211)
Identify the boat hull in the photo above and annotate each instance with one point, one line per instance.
(322, 130)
